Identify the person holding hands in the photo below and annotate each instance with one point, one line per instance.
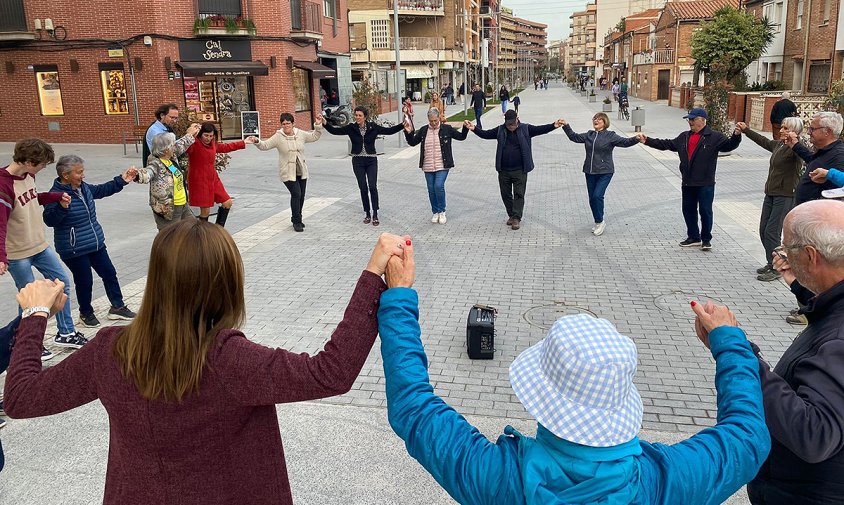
(513, 159)
(598, 165)
(290, 142)
(79, 238)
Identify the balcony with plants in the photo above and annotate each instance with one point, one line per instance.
(218, 24)
(418, 7)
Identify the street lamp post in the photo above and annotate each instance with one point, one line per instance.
(398, 64)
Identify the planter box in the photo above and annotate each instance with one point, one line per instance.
(214, 30)
(606, 107)
(593, 98)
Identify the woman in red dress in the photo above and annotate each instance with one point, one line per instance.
(204, 185)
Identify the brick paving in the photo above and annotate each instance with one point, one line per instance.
(634, 275)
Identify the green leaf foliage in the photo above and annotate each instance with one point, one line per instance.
(730, 42)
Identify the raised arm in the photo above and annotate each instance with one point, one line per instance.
(335, 130)
(313, 135)
(388, 130)
(258, 375)
(730, 142)
(760, 140)
(666, 144)
(467, 465)
(227, 147)
(535, 130)
(270, 143)
(107, 188)
(460, 134)
(717, 461)
(579, 138)
(804, 152)
(619, 141)
(486, 134)
(413, 138)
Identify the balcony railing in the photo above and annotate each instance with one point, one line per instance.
(421, 6)
(305, 16)
(658, 57)
(420, 43)
(12, 16)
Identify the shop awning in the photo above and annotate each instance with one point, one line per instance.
(223, 68)
(417, 71)
(318, 71)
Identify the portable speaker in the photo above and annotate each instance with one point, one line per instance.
(480, 332)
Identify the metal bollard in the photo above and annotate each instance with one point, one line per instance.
(637, 118)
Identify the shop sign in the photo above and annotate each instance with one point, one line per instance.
(115, 53)
(215, 50)
(250, 123)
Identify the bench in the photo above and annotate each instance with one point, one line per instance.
(135, 136)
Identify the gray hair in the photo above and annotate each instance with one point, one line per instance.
(433, 112)
(786, 95)
(67, 163)
(794, 124)
(831, 120)
(161, 143)
(815, 229)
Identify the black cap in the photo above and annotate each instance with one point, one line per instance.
(510, 118)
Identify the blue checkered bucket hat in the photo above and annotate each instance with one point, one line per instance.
(578, 382)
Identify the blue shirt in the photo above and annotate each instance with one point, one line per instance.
(153, 130)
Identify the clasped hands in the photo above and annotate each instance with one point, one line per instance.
(43, 293)
(392, 257)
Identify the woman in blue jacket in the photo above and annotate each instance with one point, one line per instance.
(79, 237)
(578, 385)
(598, 165)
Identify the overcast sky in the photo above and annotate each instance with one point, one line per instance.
(554, 13)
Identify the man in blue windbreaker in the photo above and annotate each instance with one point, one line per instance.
(578, 385)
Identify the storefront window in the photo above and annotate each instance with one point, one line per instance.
(49, 91)
(302, 89)
(115, 98)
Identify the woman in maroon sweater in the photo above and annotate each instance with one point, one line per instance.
(191, 401)
(204, 184)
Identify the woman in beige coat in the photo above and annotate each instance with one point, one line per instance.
(292, 169)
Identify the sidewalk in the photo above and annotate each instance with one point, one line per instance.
(341, 450)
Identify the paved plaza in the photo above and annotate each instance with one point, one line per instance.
(341, 450)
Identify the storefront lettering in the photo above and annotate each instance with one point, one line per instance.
(215, 51)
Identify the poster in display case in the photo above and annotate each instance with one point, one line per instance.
(115, 98)
(49, 93)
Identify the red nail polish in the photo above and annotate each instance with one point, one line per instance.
(693, 303)
(408, 242)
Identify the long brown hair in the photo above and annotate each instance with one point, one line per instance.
(194, 289)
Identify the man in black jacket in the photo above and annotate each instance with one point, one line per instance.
(698, 150)
(435, 157)
(478, 103)
(804, 394)
(823, 130)
(782, 109)
(513, 159)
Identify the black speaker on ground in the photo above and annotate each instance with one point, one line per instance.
(480, 332)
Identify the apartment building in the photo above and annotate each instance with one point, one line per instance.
(813, 44)
(77, 77)
(634, 37)
(582, 41)
(769, 66)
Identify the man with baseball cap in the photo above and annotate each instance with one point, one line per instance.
(513, 159)
(578, 384)
(698, 150)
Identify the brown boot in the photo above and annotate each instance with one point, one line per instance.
(517, 223)
(510, 222)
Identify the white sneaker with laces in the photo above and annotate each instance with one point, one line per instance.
(435, 218)
(442, 218)
(599, 228)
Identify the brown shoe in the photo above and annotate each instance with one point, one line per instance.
(517, 223)
(799, 319)
(367, 220)
(510, 222)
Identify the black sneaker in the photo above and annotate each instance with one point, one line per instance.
(75, 341)
(2, 411)
(298, 227)
(770, 275)
(706, 246)
(122, 313)
(690, 242)
(89, 320)
(46, 354)
(763, 269)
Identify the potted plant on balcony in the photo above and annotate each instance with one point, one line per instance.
(200, 25)
(607, 107)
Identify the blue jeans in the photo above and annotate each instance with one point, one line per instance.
(596, 186)
(478, 113)
(80, 267)
(504, 106)
(48, 264)
(436, 189)
(698, 198)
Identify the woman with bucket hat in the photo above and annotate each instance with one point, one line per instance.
(578, 384)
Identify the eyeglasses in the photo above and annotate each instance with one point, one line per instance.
(787, 247)
(814, 128)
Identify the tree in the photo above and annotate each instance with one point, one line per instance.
(733, 39)
(367, 96)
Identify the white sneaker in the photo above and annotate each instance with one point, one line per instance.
(599, 228)
(435, 218)
(442, 218)
(594, 226)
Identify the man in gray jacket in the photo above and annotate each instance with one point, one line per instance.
(804, 394)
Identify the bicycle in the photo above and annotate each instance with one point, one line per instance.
(623, 107)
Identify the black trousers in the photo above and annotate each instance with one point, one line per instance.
(366, 172)
(774, 209)
(297, 197)
(513, 184)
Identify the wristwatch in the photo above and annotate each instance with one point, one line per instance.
(32, 310)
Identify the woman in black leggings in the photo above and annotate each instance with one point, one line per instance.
(362, 133)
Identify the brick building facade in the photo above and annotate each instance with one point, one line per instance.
(811, 59)
(73, 75)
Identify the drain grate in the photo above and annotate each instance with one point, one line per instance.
(677, 303)
(544, 316)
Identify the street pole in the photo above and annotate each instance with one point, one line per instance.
(465, 62)
(398, 64)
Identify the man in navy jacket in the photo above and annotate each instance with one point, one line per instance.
(698, 150)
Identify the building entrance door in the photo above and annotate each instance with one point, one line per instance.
(663, 78)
